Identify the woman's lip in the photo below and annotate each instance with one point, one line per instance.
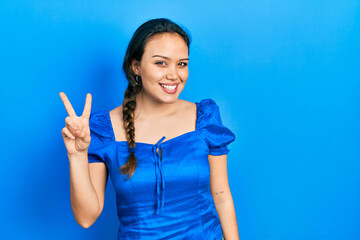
(167, 90)
(169, 84)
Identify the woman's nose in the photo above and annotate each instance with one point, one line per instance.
(172, 73)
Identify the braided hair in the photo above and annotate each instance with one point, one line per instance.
(135, 51)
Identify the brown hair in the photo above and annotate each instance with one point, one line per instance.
(135, 51)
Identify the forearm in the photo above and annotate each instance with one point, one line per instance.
(226, 212)
(83, 197)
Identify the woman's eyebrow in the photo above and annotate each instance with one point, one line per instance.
(169, 58)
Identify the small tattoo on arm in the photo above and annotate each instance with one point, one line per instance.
(219, 192)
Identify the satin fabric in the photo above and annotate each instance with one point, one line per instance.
(168, 197)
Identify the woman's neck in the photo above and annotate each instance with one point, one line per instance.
(151, 109)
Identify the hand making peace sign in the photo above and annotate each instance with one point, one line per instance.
(76, 133)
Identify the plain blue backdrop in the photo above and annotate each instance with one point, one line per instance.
(285, 75)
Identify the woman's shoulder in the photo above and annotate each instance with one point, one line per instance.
(99, 123)
(205, 108)
(185, 105)
(212, 129)
(207, 104)
(98, 117)
(208, 113)
(203, 104)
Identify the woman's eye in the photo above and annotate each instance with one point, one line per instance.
(160, 63)
(184, 64)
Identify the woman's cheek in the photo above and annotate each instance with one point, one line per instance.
(184, 74)
(156, 72)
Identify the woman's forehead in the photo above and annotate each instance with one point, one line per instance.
(166, 44)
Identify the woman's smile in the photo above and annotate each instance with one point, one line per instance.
(169, 88)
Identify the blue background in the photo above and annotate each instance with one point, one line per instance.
(285, 75)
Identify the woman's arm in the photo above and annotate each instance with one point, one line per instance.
(87, 181)
(220, 190)
(87, 188)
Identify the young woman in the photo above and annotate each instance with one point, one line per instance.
(171, 180)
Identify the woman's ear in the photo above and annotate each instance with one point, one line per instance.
(135, 66)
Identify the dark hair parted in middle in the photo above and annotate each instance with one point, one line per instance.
(135, 51)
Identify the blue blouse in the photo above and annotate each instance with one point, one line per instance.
(168, 197)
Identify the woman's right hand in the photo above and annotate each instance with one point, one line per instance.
(76, 133)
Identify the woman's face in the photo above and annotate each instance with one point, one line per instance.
(163, 67)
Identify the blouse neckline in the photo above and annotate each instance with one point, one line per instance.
(152, 144)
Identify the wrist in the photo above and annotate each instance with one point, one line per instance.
(77, 155)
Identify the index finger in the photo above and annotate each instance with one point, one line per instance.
(70, 110)
(87, 108)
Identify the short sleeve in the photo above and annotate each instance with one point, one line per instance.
(98, 132)
(216, 135)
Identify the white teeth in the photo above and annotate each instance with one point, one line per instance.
(168, 87)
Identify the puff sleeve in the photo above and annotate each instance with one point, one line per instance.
(215, 134)
(98, 127)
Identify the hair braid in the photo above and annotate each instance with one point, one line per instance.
(129, 105)
(135, 51)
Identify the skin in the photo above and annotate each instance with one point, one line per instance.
(87, 181)
(157, 114)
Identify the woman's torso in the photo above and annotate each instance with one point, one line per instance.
(168, 197)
